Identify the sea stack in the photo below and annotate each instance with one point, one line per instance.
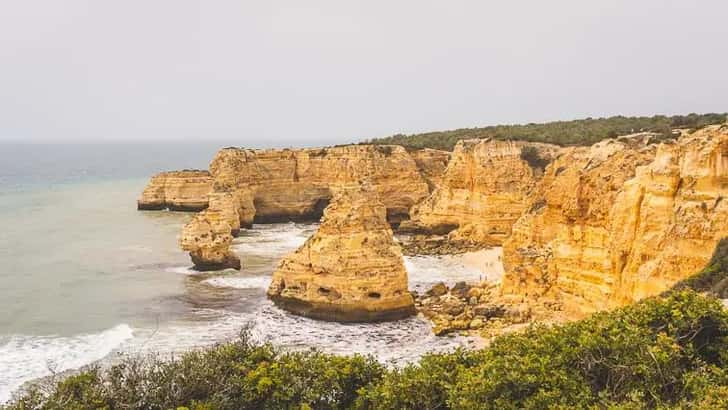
(207, 237)
(350, 270)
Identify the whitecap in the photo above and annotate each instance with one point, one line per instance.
(25, 358)
(253, 282)
(182, 270)
(395, 343)
(273, 240)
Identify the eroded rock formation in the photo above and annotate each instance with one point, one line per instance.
(297, 184)
(177, 190)
(432, 164)
(483, 191)
(207, 237)
(621, 220)
(275, 185)
(350, 270)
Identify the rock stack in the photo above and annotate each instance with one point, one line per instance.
(207, 237)
(350, 270)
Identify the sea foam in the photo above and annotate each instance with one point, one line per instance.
(25, 358)
(254, 282)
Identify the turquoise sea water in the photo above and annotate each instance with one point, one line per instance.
(84, 275)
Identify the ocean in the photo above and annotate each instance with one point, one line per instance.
(84, 276)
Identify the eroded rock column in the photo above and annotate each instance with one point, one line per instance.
(207, 237)
(350, 270)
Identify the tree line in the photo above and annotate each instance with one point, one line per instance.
(576, 132)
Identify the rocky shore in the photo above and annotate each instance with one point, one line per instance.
(479, 309)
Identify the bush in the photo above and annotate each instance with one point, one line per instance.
(577, 132)
(533, 158)
(660, 352)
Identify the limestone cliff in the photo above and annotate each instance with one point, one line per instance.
(274, 185)
(297, 184)
(483, 191)
(177, 190)
(432, 164)
(621, 220)
(207, 237)
(350, 270)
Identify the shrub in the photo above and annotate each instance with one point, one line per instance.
(577, 132)
(660, 352)
(533, 158)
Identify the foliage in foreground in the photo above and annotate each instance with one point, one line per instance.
(577, 132)
(664, 352)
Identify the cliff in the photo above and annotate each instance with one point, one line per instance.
(177, 190)
(297, 184)
(350, 270)
(432, 164)
(245, 186)
(621, 220)
(483, 191)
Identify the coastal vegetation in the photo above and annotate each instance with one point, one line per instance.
(576, 132)
(668, 351)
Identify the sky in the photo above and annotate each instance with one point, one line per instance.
(303, 73)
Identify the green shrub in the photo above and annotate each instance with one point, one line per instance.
(577, 132)
(660, 352)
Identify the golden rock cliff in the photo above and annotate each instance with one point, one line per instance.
(621, 220)
(482, 193)
(177, 190)
(431, 164)
(297, 184)
(207, 237)
(350, 270)
(274, 185)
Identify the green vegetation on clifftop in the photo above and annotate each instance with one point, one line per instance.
(577, 132)
(664, 352)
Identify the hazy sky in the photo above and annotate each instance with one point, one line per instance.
(323, 72)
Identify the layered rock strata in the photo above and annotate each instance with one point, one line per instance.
(621, 220)
(350, 270)
(432, 164)
(177, 190)
(297, 184)
(483, 191)
(207, 237)
(246, 186)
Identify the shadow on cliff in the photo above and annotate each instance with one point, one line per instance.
(713, 278)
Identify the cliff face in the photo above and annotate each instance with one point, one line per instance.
(350, 270)
(244, 186)
(482, 193)
(177, 190)
(431, 164)
(620, 221)
(207, 237)
(297, 184)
